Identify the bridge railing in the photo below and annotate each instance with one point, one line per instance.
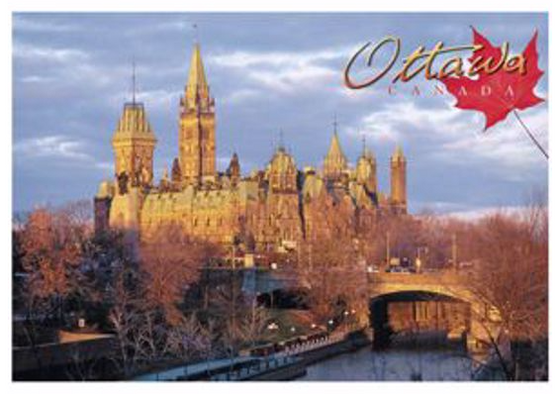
(436, 277)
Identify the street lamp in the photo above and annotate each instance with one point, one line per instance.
(330, 324)
(454, 250)
(346, 313)
(387, 247)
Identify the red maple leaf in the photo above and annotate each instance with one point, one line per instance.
(498, 93)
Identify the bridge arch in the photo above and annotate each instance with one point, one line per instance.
(414, 311)
(484, 319)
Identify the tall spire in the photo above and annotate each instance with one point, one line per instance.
(197, 134)
(335, 151)
(197, 77)
(197, 92)
(335, 162)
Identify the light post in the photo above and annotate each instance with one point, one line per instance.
(274, 267)
(417, 265)
(454, 250)
(387, 247)
(253, 312)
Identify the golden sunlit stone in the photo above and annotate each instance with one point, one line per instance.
(271, 209)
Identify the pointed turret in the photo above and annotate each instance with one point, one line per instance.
(282, 171)
(234, 169)
(176, 175)
(335, 163)
(197, 139)
(335, 151)
(197, 90)
(398, 153)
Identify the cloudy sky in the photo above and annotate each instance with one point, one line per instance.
(268, 72)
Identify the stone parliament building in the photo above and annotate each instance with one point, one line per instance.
(276, 208)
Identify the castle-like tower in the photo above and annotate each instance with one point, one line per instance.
(234, 169)
(335, 163)
(398, 180)
(133, 146)
(282, 172)
(366, 170)
(283, 224)
(197, 126)
(275, 208)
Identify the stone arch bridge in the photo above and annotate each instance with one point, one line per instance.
(484, 320)
(484, 327)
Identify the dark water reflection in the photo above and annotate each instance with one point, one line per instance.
(397, 363)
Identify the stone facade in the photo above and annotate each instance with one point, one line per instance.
(270, 209)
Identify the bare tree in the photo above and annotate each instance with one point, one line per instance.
(172, 261)
(253, 325)
(509, 252)
(124, 317)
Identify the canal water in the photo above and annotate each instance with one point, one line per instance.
(403, 362)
